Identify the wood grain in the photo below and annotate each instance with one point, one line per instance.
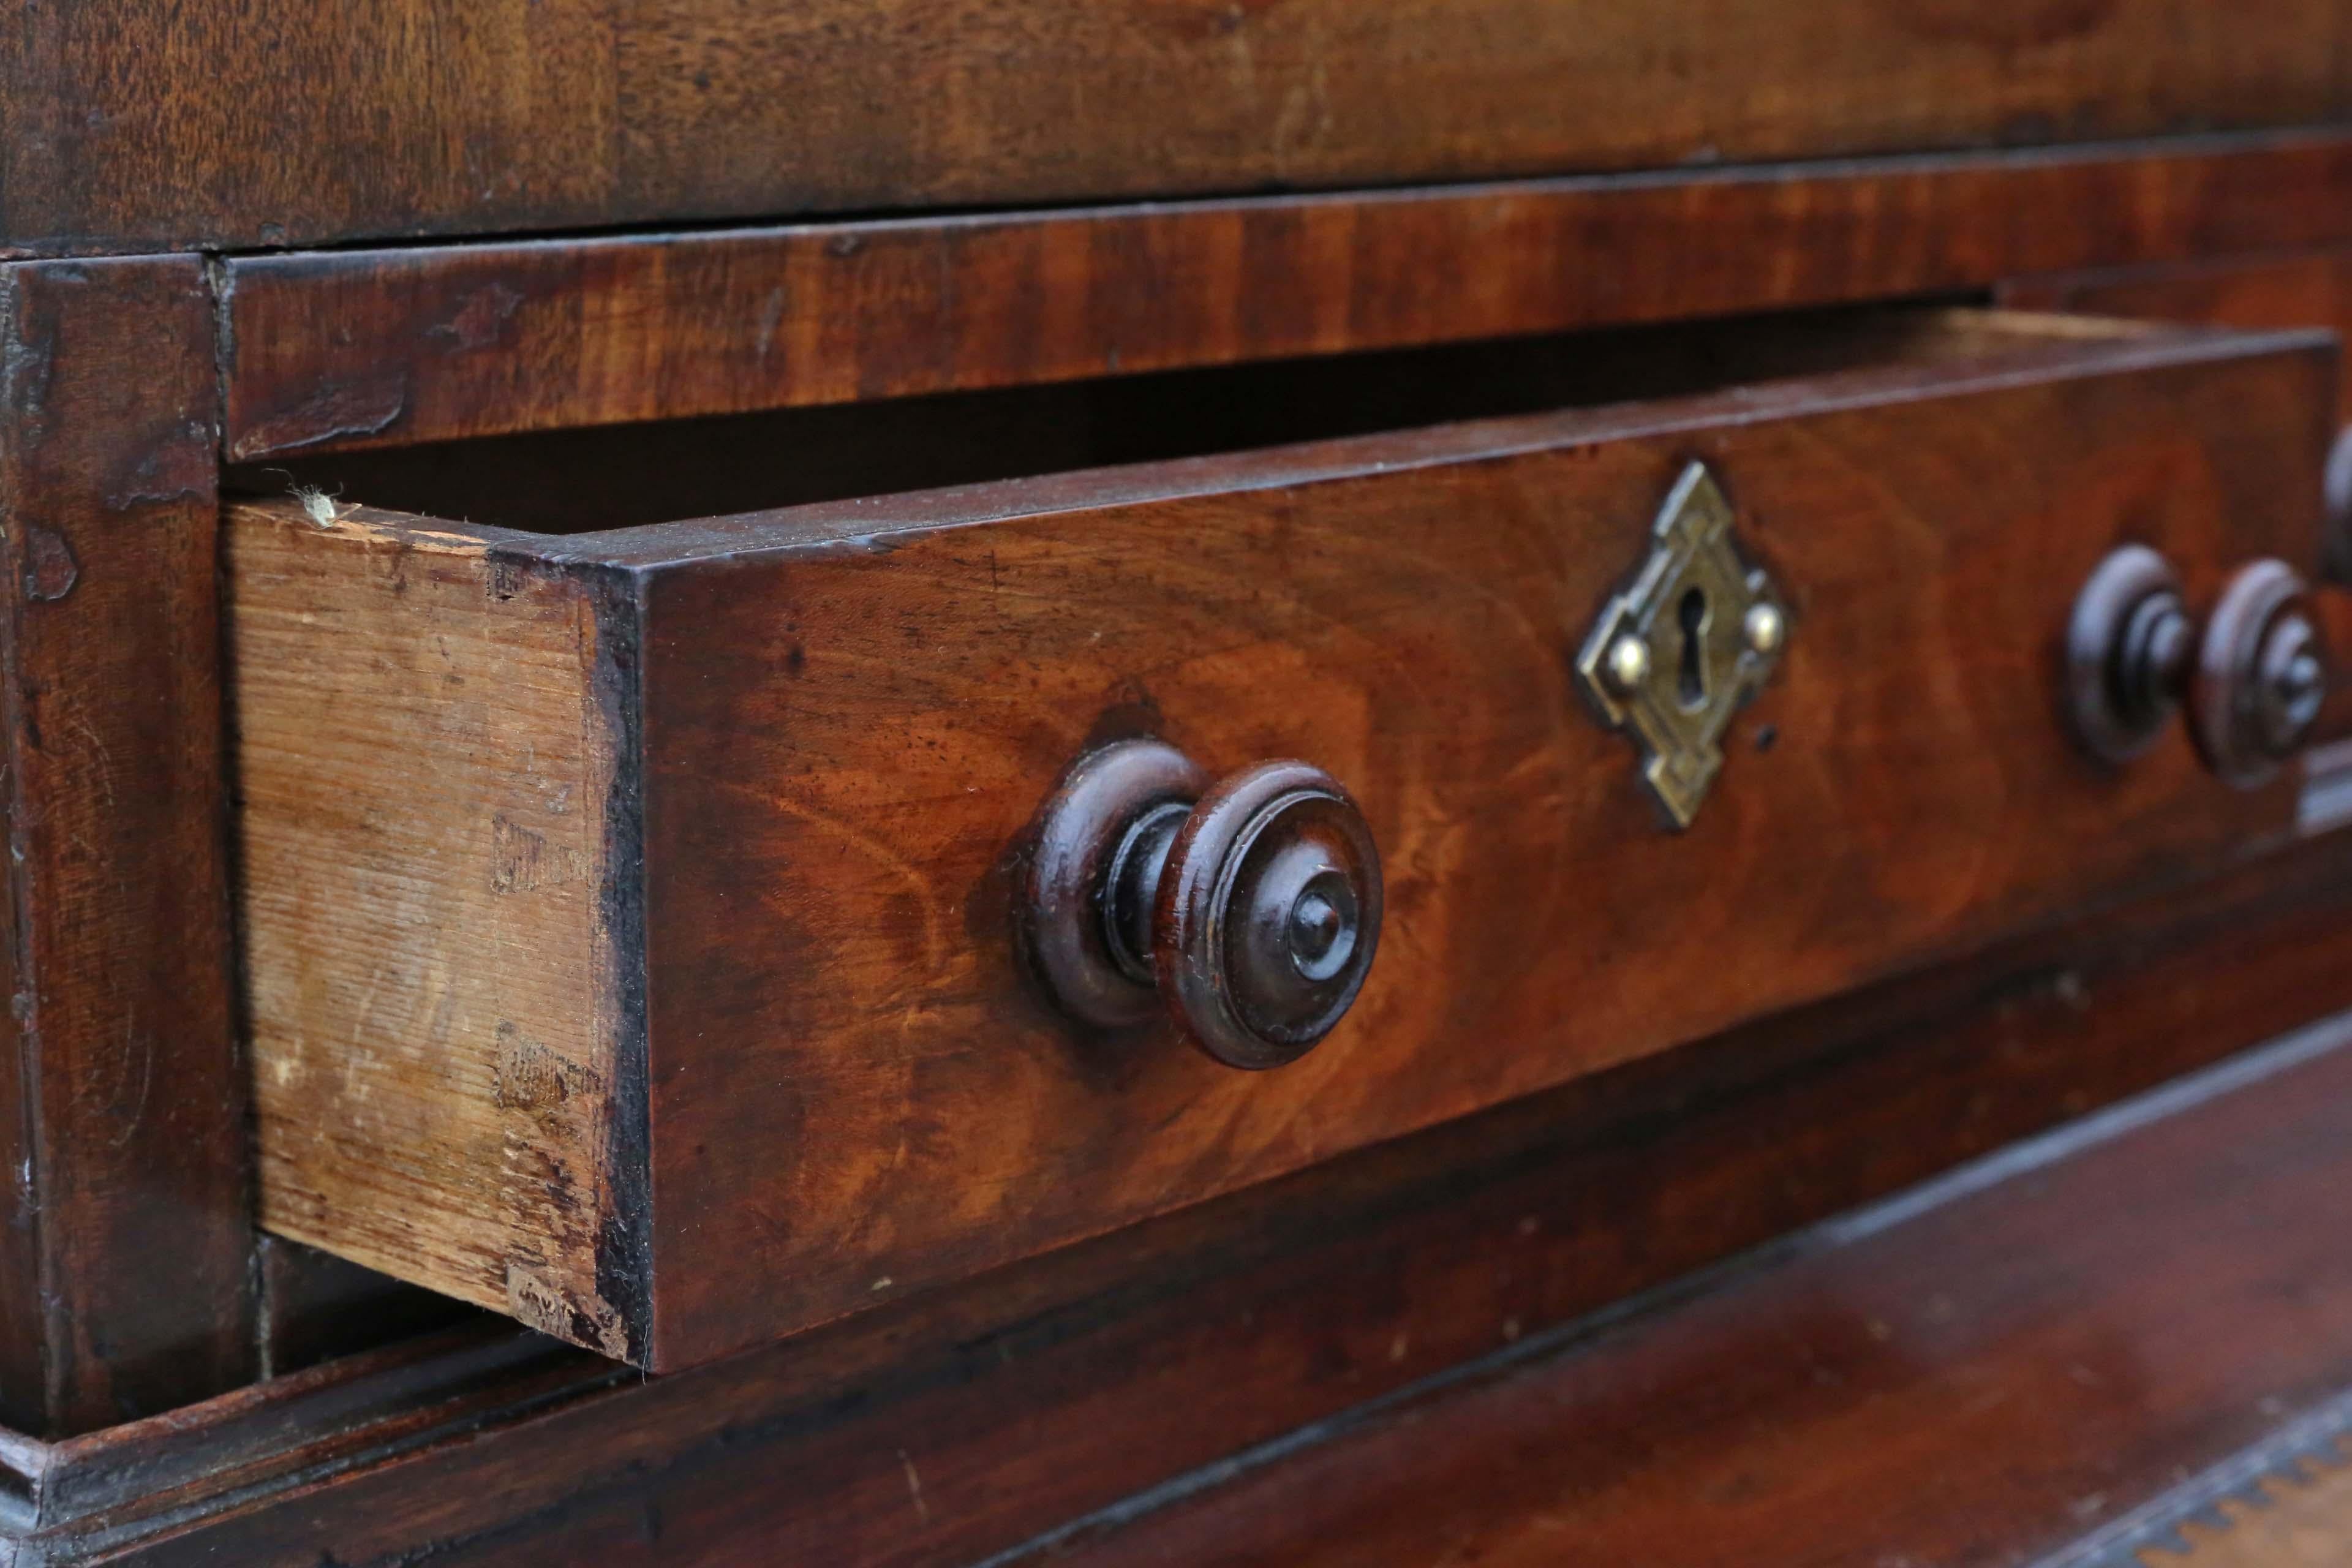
(2297, 289)
(849, 715)
(845, 737)
(210, 127)
(1298, 1299)
(354, 349)
(425, 764)
(124, 1288)
(1768, 1420)
(2302, 288)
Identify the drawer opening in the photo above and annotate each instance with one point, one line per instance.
(586, 480)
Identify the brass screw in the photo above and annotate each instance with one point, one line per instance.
(1628, 664)
(1764, 627)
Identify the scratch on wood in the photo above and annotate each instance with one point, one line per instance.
(518, 854)
(140, 1048)
(915, 1490)
(771, 313)
(100, 760)
(27, 368)
(522, 860)
(871, 847)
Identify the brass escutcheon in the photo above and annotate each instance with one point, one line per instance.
(1677, 653)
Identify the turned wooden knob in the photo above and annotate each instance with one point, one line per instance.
(2129, 649)
(2261, 675)
(1249, 911)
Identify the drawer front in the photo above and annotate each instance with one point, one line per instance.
(635, 921)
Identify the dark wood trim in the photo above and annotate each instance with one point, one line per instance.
(950, 1427)
(125, 1287)
(341, 350)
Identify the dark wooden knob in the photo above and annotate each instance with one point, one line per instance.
(2262, 674)
(1250, 911)
(2129, 648)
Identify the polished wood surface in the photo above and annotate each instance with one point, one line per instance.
(2041, 1348)
(1406, 616)
(977, 241)
(221, 129)
(2297, 289)
(947, 1428)
(124, 1263)
(849, 715)
(343, 350)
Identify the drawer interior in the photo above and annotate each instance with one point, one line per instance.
(585, 480)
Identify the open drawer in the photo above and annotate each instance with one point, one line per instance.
(647, 933)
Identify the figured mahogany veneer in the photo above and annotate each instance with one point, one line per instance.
(334, 350)
(2294, 288)
(222, 127)
(547, 841)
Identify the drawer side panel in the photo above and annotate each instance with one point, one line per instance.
(426, 772)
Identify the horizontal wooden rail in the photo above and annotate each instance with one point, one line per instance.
(369, 348)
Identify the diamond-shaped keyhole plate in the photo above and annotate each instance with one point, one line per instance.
(1677, 653)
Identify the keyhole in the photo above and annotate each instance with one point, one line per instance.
(1692, 612)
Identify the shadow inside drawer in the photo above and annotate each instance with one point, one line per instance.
(574, 481)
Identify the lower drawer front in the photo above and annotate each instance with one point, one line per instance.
(637, 923)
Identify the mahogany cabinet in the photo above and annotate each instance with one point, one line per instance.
(1173, 782)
